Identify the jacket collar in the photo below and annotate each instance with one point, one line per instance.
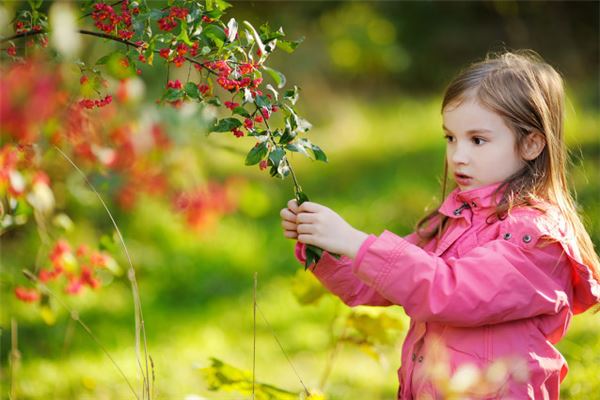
(476, 199)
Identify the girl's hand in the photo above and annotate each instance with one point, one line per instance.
(322, 227)
(288, 219)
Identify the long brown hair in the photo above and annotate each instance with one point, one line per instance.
(529, 95)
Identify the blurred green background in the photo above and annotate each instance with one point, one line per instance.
(372, 75)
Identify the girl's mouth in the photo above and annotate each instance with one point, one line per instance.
(463, 180)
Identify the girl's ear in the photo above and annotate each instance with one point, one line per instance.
(533, 145)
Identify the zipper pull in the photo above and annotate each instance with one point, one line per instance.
(459, 209)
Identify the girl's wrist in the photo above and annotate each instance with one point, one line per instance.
(356, 240)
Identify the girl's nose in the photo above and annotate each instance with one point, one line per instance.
(459, 155)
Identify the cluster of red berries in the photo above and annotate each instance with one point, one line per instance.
(168, 23)
(89, 103)
(64, 262)
(21, 27)
(107, 20)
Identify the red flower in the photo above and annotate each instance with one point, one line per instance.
(87, 277)
(258, 118)
(27, 295)
(246, 68)
(204, 89)
(231, 105)
(263, 164)
(74, 285)
(61, 247)
(237, 132)
(164, 53)
(178, 61)
(248, 123)
(265, 112)
(11, 50)
(176, 84)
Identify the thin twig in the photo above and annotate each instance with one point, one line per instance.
(283, 350)
(254, 336)
(139, 318)
(104, 36)
(334, 352)
(15, 358)
(75, 316)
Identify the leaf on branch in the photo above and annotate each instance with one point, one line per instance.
(216, 34)
(257, 153)
(222, 376)
(191, 89)
(276, 156)
(226, 125)
(232, 27)
(173, 94)
(241, 111)
(292, 95)
(289, 46)
(259, 42)
(277, 76)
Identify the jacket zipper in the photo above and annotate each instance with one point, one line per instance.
(461, 208)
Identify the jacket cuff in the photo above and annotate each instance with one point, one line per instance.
(362, 251)
(300, 252)
(378, 257)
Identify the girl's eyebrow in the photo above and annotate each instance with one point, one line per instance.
(470, 131)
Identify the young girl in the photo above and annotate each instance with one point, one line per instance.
(499, 268)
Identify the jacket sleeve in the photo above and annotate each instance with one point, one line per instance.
(504, 279)
(337, 276)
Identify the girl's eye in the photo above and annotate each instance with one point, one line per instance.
(478, 140)
(448, 138)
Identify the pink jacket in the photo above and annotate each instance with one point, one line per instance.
(487, 291)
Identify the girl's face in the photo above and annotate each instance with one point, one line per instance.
(480, 147)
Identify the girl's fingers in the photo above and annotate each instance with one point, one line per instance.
(305, 217)
(304, 239)
(293, 205)
(287, 215)
(288, 225)
(290, 234)
(309, 206)
(305, 228)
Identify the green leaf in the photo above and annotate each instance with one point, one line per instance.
(215, 101)
(257, 153)
(256, 36)
(173, 94)
(262, 101)
(226, 125)
(103, 60)
(277, 76)
(313, 255)
(224, 377)
(288, 136)
(183, 35)
(301, 197)
(276, 156)
(216, 34)
(289, 46)
(241, 111)
(214, 14)
(319, 154)
(292, 94)
(191, 89)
